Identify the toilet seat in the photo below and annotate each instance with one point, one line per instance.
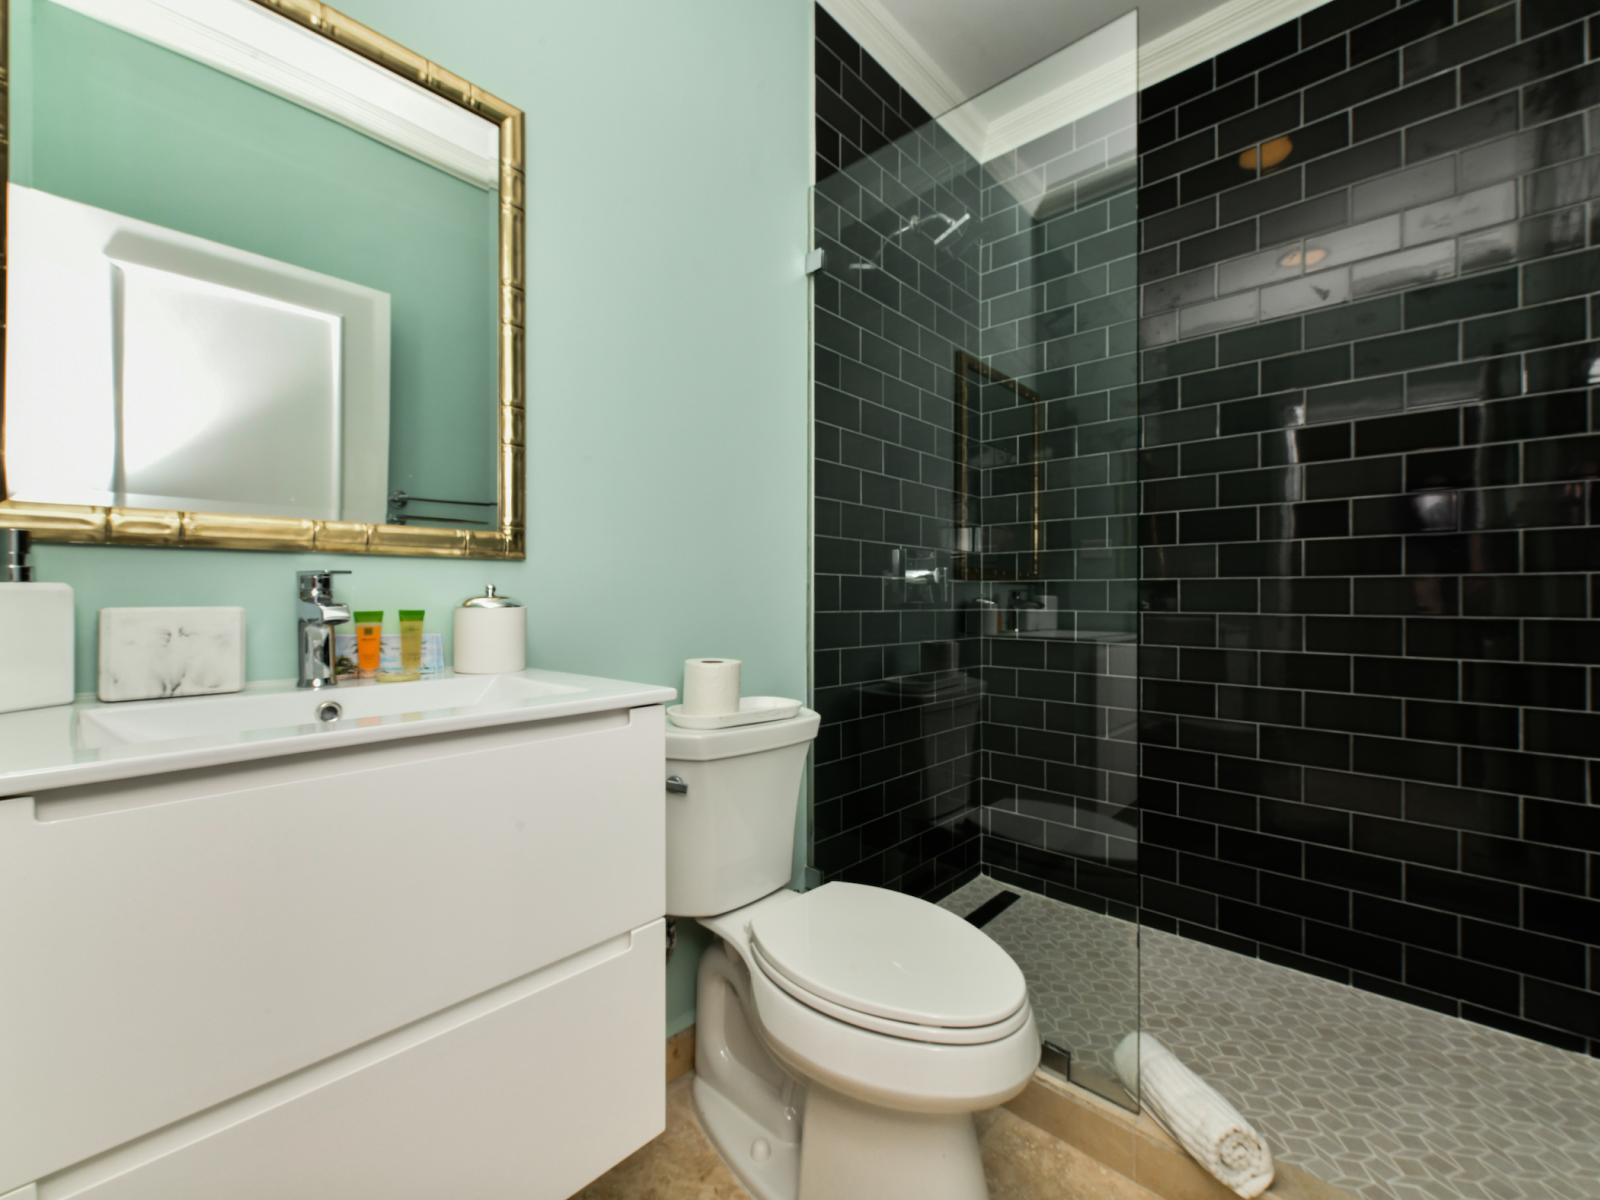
(944, 1035)
(890, 963)
(899, 1065)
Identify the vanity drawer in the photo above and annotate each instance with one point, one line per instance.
(530, 1092)
(173, 942)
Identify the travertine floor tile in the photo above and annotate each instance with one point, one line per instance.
(1021, 1161)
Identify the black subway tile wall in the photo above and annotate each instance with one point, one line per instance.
(896, 784)
(1368, 681)
(1218, 543)
(1059, 561)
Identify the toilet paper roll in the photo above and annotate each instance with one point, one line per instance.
(710, 686)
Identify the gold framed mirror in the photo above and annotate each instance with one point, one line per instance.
(388, 520)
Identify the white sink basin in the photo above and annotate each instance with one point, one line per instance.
(274, 713)
(90, 742)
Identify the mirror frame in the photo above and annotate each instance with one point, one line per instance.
(115, 526)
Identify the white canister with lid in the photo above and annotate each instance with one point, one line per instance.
(491, 635)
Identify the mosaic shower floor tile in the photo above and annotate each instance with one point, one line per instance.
(1384, 1099)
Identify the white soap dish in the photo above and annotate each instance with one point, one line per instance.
(752, 711)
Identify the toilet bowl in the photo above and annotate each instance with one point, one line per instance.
(845, 1036)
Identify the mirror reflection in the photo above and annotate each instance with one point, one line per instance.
(252, 272)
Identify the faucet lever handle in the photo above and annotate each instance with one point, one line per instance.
(317, 584)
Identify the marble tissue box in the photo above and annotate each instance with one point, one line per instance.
(147, 653)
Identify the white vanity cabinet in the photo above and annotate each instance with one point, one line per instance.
(423, 967)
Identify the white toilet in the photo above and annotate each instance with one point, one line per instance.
(845, 1035)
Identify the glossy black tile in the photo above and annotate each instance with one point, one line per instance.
(1460, 42)
(1328, 211)
(1307, 369)
(1461, 553)
(1211, 107)
(1403, 107)
(1476, 466)
(1185, 85)
(1571, 91)
(1297, 71)
(1406, 24)
(1525, 329)
(1226, 242)
(1347, 513)
(1462, 127)
(1357, 478)
(1259, 123)
(1355, 556)
(1359, 84)
(1361, 161)
(1406, 351)
(1326, 20)
(1421, 512)
(1179, 155)
(1310, 520)
(1541, 15)
(1269, 192)
(1472, 725)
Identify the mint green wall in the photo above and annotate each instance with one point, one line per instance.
(668, 469)
(108, 119)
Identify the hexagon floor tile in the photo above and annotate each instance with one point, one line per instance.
(1384, 1099)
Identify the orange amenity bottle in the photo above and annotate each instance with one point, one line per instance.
(369, 643)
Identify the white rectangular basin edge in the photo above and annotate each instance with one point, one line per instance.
(93, 742)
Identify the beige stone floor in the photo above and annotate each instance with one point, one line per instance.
(1021, 1161)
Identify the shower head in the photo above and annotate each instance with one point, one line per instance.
(952, 226)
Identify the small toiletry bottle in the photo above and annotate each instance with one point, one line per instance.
(369, 643)
(411, 643)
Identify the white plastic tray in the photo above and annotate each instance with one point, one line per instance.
(752, 710)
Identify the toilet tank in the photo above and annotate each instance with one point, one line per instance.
(730, 835)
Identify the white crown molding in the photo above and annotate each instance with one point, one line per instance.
(1221, 28)
(1095, 72)
(986, 137)
(911, 66)
(250, 43)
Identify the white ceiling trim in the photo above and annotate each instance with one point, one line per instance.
(250, 43)
(912, 67)
(1090, 92)
(1222, 28)
(1217, 29)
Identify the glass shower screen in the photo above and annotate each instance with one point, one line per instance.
(976, 560)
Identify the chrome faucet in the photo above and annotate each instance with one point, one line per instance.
(318, 615)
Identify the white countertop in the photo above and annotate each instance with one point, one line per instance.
(90, 742)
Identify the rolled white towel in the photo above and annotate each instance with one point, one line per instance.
(1207, 1126)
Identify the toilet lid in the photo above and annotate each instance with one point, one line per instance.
(874, 951)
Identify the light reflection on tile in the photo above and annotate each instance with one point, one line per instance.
(1197, 319)
(1461, 214)
(1358, 241)
(1405, 269)
(1431, 181)
(1312, 291)
(1269, 266)
(1510, 157)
